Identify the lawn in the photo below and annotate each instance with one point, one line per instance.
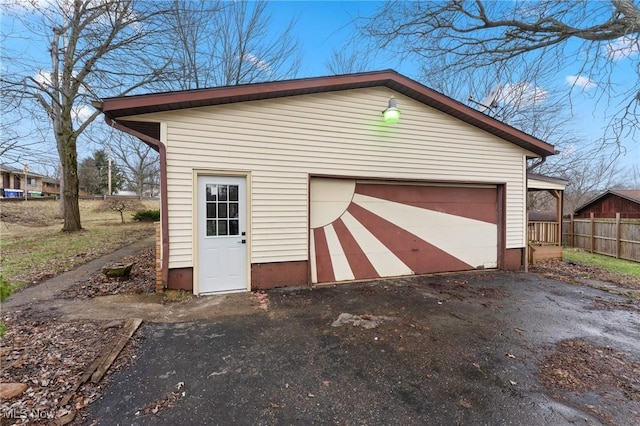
(33, 248)
(605, 262)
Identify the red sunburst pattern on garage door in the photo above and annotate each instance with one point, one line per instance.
(383, 230)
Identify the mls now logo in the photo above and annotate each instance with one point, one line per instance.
(34, 414)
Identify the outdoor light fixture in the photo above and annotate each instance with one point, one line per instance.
(392, 113)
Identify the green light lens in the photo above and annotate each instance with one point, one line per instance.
(391, 115)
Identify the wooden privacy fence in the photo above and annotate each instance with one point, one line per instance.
(617, 237)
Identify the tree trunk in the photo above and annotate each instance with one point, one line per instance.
(69, 157)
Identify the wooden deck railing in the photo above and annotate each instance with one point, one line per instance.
(543, 233)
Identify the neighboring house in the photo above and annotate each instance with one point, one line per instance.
(14, 185)
(606, 205)
(50, 187)
(302, 182)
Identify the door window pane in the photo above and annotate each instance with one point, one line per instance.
(233, 227)
(222, 210)
(233, 210)
(222, 227)
(212, 190)
(233, 192)
(211, 210)
(222, 192)
(211, 228)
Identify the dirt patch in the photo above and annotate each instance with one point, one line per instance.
(575, 273)
(50, 356)
(602, 304)
(141, 280)
(577, 369)
(462, 289)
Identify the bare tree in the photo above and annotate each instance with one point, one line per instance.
(530, 38)
(349, 60)
(221, 43)
(140, 162)
(95, 47)
(633, 177)
(121, 205)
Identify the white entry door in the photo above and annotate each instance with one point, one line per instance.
(222, 239)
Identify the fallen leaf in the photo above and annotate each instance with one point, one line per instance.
(310, 395)
(510, 355)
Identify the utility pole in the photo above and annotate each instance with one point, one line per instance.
(26, 170)
(109, 172)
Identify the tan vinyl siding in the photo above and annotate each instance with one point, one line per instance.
(282, 141)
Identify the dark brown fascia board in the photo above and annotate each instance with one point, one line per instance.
(157, 102)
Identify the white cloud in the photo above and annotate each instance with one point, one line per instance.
(521, 94)
(43, 78)
(569, 151)
(82, 113)
(580, 81)
(257, 62)
(623, 47)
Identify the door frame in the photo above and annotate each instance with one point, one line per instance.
(196, 228)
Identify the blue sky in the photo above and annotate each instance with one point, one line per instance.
(325, 26)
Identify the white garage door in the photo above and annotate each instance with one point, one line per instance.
(364, 230)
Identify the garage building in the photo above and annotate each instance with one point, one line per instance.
(303, 182)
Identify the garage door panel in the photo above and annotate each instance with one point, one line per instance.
(383, 260)
(420, 256)
(444, 232)
(444, 199)
(324, 267)
(359, 263)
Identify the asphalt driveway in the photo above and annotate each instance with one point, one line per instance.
(451, 349)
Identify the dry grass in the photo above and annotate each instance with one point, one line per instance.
(33, 248)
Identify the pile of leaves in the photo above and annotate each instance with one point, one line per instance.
(577, 367)
(50, 356)
(140, 281)
(573, 272)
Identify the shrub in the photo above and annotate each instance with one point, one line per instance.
(5, 289)
(147, 216)
(120, 205)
